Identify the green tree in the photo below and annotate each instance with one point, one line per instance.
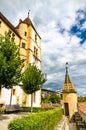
(54, 98)
(32, 80)
(10, 62)
(82, 99)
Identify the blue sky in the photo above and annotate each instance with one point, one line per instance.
(62, 27)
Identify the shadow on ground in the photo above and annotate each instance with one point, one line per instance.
(2, 117)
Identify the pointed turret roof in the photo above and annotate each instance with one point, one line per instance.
(67, 77)
(28, 22)
(68, 85)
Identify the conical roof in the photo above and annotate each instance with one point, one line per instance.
(67, 79)
(68, 85)
(28, 22)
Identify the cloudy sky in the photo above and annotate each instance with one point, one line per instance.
(62, 27)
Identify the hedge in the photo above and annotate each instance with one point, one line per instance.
(46, 120)
(35, 109)
(24, 109)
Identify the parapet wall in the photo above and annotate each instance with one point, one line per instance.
(82, 110)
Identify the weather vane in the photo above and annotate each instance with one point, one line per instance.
(66, 68)
(28, 13)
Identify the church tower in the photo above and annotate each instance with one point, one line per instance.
(69, 96)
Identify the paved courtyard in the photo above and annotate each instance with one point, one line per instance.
(6, 118)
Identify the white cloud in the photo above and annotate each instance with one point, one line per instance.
(53, 20)
(84, 26)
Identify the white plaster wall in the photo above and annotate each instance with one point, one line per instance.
(37, 102)
(5, 96)
(6, 93)
(19, 94)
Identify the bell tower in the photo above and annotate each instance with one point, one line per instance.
(69, 96)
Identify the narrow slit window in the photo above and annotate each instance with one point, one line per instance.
(0, 23)
(23, 45)
(25, 33)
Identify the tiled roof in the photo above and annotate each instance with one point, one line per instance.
(28, 22)
(82, 107)
(67, 79)
(9, 24)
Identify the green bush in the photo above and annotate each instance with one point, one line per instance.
(46, 120)
(2, 110)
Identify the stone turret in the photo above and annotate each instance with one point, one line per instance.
(69, 96)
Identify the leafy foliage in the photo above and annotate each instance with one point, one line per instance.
(32, 79)
(10, 62)
(82, 99)
(2, 110)
(53, 98)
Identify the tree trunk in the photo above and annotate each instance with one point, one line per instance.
(31, 102)
(11, 96)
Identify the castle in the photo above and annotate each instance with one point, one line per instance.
(29, 41)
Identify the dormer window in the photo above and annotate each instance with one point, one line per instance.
(23, 45)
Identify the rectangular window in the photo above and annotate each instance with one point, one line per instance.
(25, 33)
(14, 92)
(23, 45)
(13, 35)
(36, 38)
(35, 52)
(0, 91)
(35, 60)
(0, 23)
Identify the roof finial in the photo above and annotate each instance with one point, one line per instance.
(28, 13)
(66, 68)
